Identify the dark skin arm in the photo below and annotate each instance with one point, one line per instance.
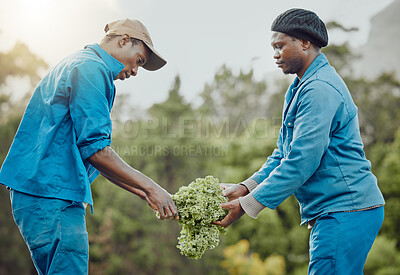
(233, 191)
(120, 173)
(133, 190)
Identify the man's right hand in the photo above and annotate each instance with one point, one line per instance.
(234, 191)
(235, 212)
(162, 201)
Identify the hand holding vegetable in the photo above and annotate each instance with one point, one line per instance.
(235, 213)
(159, 199)
(234, 191)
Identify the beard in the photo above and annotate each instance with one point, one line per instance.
(293, 65)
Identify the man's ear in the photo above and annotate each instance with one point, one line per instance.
(125, 39)
(305, 44)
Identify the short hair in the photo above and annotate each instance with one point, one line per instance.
(110, 37)
(316, 47)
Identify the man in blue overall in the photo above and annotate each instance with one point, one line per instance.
(319, 156)
(63, 143)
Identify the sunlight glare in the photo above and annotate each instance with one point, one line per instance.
(34, 9)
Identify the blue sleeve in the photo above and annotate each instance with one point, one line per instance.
(272, 162)
(316, 110)
(90, 107)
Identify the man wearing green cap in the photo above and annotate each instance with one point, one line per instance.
(63, 144)
(319, 156)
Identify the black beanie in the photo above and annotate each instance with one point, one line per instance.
(302, 24)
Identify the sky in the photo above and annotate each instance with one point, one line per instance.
(195, 37)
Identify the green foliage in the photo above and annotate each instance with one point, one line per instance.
(14, 256)
(238, 261)
(173, 107)
(246, 155)
(199, 205)
(378, 103)
(340, 56)
(274, 232)
(301, 270)
(233, 100)
(383, 258)
(19, 62)
(275, 101)
(335, 25)
(120, 234)
(386, 163)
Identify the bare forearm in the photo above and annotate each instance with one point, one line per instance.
(117, 171)
(121, 174)
(128, 188)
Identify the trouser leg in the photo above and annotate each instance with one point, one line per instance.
(340, 242)
(54, 231)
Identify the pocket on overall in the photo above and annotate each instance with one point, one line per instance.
(74, 236)
(32, 223)
(289, 124)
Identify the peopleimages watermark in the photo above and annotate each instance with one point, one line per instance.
(176, 150)
(197, 127)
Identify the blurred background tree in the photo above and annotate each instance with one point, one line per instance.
(18, 63)
(238, 261)
(233, 99)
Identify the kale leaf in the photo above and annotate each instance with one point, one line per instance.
(199, 205)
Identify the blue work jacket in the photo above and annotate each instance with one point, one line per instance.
(66, 121)
(319, 156)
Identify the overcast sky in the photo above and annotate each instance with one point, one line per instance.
(195, 37)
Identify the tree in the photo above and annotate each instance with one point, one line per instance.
(19, 62)
(340, 56)
(378, 103)
(388, 173)
(384, 258)
(239, 261)
(233, 100)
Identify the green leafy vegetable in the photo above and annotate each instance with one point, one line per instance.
(199, 205)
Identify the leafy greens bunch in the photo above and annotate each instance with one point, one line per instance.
(199, 205)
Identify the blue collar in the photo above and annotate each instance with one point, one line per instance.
(318, 62)
(114, 65)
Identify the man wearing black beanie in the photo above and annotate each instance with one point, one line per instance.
(319, 156)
